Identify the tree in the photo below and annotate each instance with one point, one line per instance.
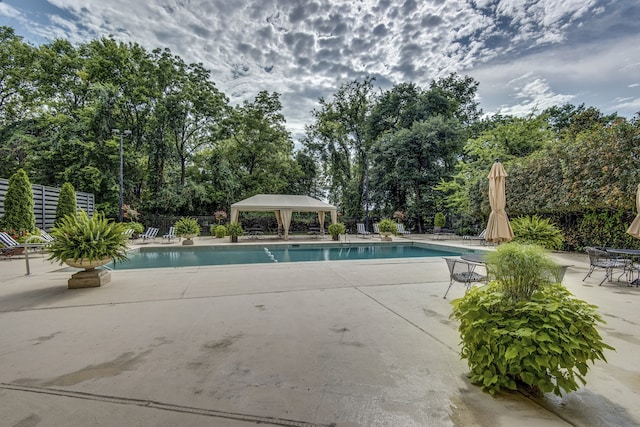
(340, 137)
(18, 205)
(410, 162)
(66, 202)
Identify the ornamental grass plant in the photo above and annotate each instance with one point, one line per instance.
(524, 330)
(79, 237)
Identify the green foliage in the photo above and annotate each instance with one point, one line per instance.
(521, 269)
(337, 229)
(219, 231)
(544, 342)
(66, 202)
(136, 226)
(387, 225)
(186, 226)
(79, 237)
(234, 229)
(18, 205)
(439, 220)
(606, 229)
(537, 231)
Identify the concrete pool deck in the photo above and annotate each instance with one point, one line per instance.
(345, 343)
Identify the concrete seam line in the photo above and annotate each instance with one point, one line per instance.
(163, 406)
(407, 320)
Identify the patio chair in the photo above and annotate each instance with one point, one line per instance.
(149, 234)
(462, 271)
(362, 231)
(402, 230)
(376, 230)
(9, 246)
(599, 258)
(171, 234)
(48, 238)
(479, 238)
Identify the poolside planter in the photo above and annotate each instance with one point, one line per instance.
(90, 277)
(188, 239)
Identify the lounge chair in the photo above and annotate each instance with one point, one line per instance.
(149, 234)
(9, 246)
(362, 231)
(170, 235)
(376, 230)
(402, 230)
(599, 258)
(463, 272)
(479, 238)
(48, 238)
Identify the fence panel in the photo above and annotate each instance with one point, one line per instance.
(45, 200)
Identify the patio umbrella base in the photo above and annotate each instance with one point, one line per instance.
(89, 279)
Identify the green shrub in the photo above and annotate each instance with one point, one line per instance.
(186, 226)
(387, 225)
(18, 205)
(521, 269)
(219, 231)
(137, 227)
(439, 220)
(538, 231)
(66, 202)
(524, 328)
(544, 343)
(234, 229)
(337, 229)
(80, 237)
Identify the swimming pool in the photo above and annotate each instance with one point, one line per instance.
(184, 256)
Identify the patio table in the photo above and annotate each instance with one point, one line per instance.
(632, 256)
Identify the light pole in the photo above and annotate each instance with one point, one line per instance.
(117, 132)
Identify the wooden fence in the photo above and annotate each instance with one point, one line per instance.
(45, 200)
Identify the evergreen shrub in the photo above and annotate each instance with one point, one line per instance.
(18, 205)
(66, 202)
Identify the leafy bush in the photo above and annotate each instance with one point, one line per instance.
(18, 205)
(439, 220)
(525, 329)
(219, 231)
(79, 237)
(234, 229)
(337, 229)
(387, 225)
(186, 226)
(544, 342)
(521, 269)
(135, 226)
(538, 231)
(66, 202)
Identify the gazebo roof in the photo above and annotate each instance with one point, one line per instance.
(274, 202)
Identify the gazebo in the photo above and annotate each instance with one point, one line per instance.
(283, 205)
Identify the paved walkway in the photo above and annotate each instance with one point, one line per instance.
(345, 343)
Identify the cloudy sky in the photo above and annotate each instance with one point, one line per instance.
(526, 54)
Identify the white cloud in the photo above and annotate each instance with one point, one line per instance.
(304, 48)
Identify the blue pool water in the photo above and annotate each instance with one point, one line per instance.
(185, 256)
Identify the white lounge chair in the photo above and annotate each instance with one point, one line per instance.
(170, 235)
(149, 234)
(362, 231)
(402, 230)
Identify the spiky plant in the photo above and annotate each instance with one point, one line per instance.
(538, 231)
(79, 237)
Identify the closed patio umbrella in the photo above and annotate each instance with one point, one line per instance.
(498, 227)
(634, 228)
